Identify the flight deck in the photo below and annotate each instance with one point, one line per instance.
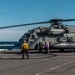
(38, 64)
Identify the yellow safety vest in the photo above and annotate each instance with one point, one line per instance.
(25, 46)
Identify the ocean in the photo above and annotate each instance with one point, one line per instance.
(9, 45)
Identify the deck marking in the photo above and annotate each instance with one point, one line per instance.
(54, 68)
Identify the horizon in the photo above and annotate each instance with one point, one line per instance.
(14, 12)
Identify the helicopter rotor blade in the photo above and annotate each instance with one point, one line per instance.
(45, 22)
(67, 20)
(61, 20)
(24, 24)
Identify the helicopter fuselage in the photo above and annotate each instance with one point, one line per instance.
(59, 37)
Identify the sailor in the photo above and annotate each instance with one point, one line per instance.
(41, 46)
(46, 47)
(25, 48)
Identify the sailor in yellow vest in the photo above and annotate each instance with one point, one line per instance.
(25, 48)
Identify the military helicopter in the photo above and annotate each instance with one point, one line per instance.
(58, 35)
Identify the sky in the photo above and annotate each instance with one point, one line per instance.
(14, 12)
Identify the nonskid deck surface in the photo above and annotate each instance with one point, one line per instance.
(38, 64)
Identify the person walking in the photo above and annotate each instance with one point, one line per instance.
(25, 48)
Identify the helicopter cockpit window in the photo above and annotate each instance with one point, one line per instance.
(26, 35)
(32, 36)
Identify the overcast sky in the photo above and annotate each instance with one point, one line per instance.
(14, 12)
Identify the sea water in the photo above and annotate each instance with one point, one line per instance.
(9, 45)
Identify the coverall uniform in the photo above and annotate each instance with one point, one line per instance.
(25, 48)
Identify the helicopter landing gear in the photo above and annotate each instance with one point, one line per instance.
(74, 50)
(62, 50)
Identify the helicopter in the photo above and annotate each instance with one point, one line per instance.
(58, 35)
